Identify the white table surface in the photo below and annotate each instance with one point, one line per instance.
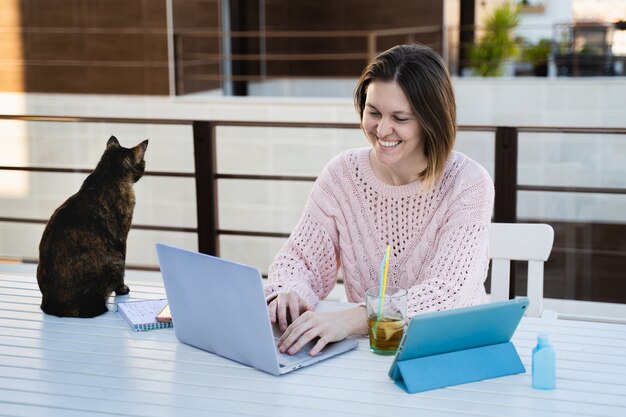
(67, 367)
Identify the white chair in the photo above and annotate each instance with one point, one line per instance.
(519, 242)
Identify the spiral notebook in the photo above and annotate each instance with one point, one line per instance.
(141, 315)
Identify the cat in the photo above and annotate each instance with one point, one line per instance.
(82, 253)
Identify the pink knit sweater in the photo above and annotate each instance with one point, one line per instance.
(438, 237)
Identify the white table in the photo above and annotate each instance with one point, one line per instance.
(98, 367)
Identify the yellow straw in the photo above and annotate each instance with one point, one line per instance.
(382, 296)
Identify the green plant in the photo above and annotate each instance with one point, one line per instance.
(498, 42)
(589, 49)
(537, 53)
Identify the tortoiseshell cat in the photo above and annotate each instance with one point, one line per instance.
(82, 253)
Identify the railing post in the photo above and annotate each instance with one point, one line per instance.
(179, 63)
(505, 204)
(240, 45)
(206, 187)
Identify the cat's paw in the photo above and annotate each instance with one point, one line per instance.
(122, 290)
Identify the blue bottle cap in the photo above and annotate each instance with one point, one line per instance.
(543, 339)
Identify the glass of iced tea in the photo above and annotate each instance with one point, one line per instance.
(385, 322)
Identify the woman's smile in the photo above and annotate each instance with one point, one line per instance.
(389, 144)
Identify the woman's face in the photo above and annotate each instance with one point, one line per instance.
(393, 130)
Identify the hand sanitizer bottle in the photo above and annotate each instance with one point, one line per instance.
(544, 363)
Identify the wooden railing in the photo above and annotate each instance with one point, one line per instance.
(207, 176)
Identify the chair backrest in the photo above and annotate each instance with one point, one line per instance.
(519, 242)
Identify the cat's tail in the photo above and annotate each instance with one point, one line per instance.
(87, 306)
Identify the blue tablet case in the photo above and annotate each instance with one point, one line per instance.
(452, 347)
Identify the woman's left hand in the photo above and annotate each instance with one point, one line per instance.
(327, 326)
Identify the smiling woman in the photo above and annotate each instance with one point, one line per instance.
(415, 80)
(409, 190)
(395, 134)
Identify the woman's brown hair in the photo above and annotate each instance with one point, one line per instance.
(423, 77)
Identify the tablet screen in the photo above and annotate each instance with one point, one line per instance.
(459, 329)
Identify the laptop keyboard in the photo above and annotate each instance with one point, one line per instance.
(285, 359)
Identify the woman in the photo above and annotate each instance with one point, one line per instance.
(409, 190)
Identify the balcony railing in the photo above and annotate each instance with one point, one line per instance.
(604, 240)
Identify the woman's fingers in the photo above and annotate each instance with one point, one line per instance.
(281, 311)
(294, 308)
(287, 308)
(319, 346)
(298, 334)
(271, 309)
(327, 327)
(309, 326)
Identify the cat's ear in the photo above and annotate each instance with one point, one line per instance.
(113, 143)
(140, 150)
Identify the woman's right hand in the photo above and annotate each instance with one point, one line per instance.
(286, 307)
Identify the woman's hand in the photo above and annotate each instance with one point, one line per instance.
(287, 302)
(327, 326)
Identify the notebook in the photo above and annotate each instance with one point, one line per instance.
(141, 315)
(219, 306)
(460, 345)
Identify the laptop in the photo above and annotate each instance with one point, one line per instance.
(477, 336)
(219, 306)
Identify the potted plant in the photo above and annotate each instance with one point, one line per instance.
(538, 54)
(498, 43)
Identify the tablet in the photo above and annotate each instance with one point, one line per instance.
(458, 329)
